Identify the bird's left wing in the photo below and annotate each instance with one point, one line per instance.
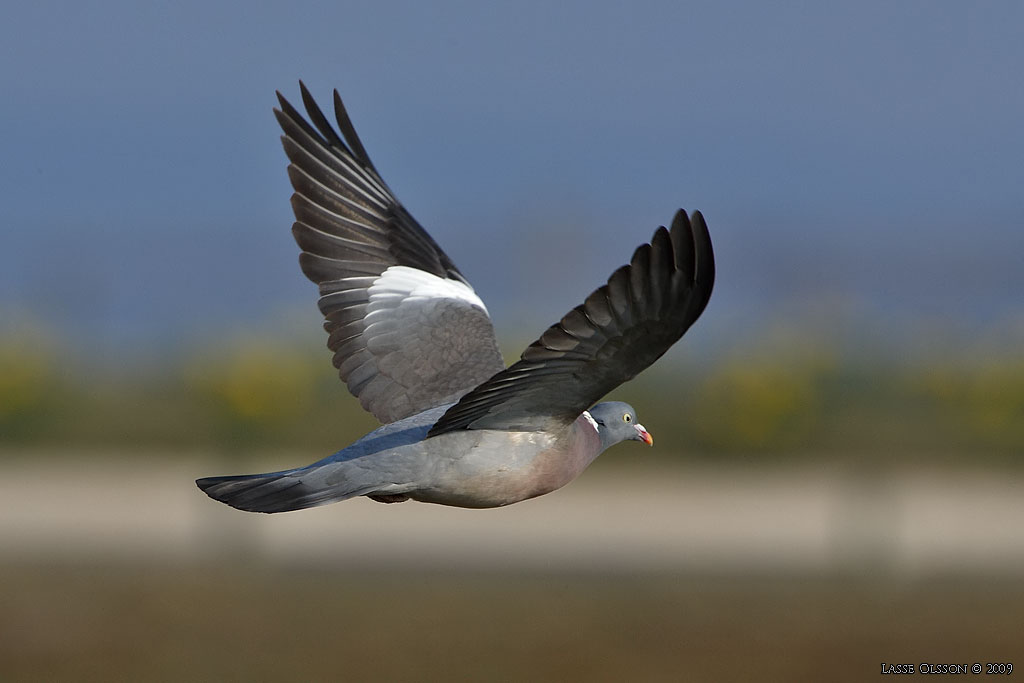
(620, 329)
(407, 330)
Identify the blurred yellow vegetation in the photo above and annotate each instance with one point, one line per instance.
(27, 372)
(754, 407)
(986, 399)
(785, 396)
(761, 402)
(255, 382)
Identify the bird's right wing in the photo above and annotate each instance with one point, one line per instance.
(407, 330)
(620, 329)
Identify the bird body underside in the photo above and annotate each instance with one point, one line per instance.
(469, 469)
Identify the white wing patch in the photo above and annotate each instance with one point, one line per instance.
(404, 282)
(590, 418)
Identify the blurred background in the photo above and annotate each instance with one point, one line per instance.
(837, 476)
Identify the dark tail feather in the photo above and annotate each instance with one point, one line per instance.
(272, 492)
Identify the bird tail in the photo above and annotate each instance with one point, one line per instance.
(278, 491)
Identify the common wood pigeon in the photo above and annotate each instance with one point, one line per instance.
(415, 344)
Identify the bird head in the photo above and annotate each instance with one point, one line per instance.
(616, 421)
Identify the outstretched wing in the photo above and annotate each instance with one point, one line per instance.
(407, 331)
(623, 327)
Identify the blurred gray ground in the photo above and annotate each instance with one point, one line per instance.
(829, 520)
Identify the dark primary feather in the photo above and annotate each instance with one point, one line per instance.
(351, 229)
(619, 330)
(337, 185)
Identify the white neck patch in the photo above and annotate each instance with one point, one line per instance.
(590, 418)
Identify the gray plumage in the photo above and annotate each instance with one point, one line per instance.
(415, 344)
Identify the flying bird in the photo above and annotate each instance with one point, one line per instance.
(415, 344)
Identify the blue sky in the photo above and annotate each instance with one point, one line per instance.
(860, 155)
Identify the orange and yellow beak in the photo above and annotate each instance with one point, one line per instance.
(643, 435)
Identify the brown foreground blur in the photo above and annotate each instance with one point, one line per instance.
(246, 623)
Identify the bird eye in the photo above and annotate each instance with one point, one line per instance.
(627, 418)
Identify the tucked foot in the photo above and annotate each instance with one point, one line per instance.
(388, 497)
